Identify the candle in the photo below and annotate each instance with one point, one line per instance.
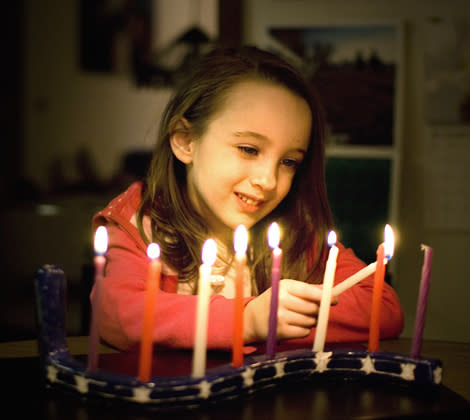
(422, 301)
(209, 253)
(384, 254)
(240, 245)
(100, 247)
(354, 279)
(274, 236)
(325, 302)
(152, 286)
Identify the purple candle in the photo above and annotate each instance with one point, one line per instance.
(274, 235)
(422, 302)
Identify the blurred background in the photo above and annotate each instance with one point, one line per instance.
(85, 83)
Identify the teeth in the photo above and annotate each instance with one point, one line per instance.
(248, 200)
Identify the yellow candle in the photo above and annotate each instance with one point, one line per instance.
(325, 303)
(209, 253)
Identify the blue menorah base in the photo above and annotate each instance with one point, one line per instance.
(62, 371)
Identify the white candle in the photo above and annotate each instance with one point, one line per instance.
(354, 279)
(369, 270)
(209, 253)
(325, 303)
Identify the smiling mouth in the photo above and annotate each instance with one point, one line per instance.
(249, 200)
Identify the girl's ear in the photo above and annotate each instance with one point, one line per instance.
(181, 141)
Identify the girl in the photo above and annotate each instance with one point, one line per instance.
(240, 142)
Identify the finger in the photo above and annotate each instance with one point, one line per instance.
(299, 305)
(297, 319)
(293, 331)
(302, 290)
(305, 291)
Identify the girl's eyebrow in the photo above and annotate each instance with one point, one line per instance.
(251, 134)
(261, 137)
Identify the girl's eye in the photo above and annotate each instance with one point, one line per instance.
(290, 163)
(248, 150)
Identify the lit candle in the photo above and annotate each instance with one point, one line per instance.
(100, 247)
(354, 279)
(325, 302)
(422, 302)
(384, 254)
(209, 253)
(152, 286)
(240, 245)
(274, 236)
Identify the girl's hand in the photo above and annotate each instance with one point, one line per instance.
(297, 312)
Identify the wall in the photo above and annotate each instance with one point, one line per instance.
(448, 315)
(67, 109)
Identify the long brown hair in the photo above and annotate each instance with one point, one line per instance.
(304, 213)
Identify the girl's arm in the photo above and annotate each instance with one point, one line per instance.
(349, 316)
(123, 300)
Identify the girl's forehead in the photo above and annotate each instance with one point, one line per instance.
(253, 92)
(266, 109)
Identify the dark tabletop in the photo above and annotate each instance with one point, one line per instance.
(25, 396)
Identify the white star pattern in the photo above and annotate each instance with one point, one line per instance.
(248, 377)
(142, 394)
(52, 373)
(82, 384)
(279, 369)
(408, 371)
(321, 360)
(204, 389)
(367, 365)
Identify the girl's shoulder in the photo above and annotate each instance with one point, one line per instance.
(122, 208)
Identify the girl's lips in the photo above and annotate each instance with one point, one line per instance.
(248, 203)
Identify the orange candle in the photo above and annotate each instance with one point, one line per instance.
(384, 254)
(240, 245)
(152, 286)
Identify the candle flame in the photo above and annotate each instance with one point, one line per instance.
(331, 238)
(101, 240)
(240, 240)
(153, 251)
(209, 252)
(274, 235)
(389, 242)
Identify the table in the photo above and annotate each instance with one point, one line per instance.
(25, 395)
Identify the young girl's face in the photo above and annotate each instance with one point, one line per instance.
(244, 164)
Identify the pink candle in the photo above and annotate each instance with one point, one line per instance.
(422, 302)
(100, 246)
(152, 286)
(274, 236)
(384, 253)
(240, 245)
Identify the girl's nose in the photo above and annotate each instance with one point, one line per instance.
(264, 177)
